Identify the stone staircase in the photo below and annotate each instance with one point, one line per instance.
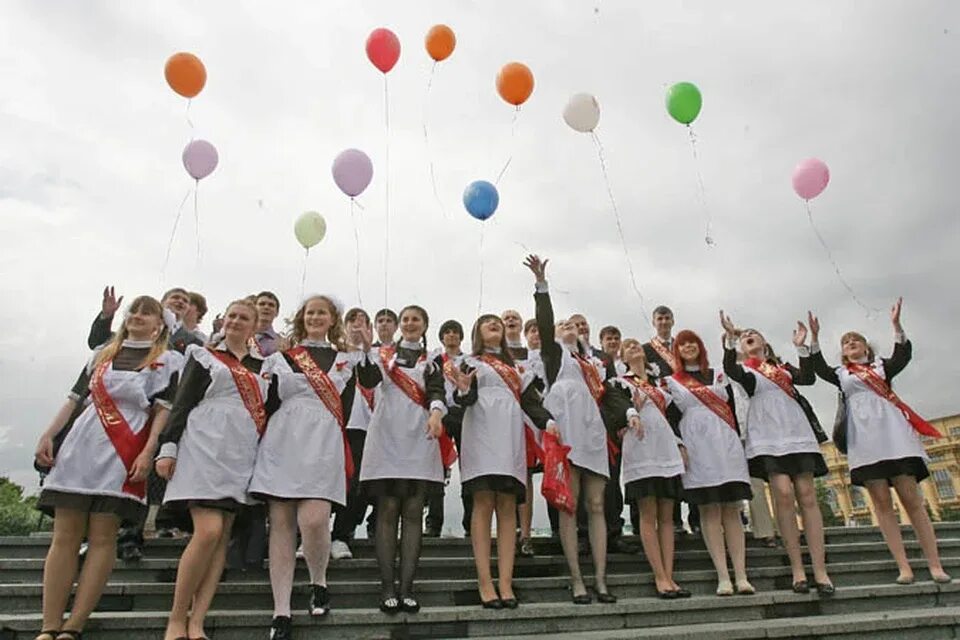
(867, 603)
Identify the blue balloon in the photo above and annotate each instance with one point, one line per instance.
(481, 199)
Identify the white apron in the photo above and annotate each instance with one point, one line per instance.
(776, 425)
(657, 455)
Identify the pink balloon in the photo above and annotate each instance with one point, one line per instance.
(200, 159)
(383, 49)
(810, 178)
(352, 171)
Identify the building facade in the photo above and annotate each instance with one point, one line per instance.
(941, 491)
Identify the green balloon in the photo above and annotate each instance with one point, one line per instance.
(310, 229)
(684, 102)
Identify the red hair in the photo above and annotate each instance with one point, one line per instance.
(686, 336)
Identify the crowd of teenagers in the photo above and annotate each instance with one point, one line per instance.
(314, 425)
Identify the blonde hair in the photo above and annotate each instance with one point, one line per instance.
(143, 304)
(335, 334)
(855, 336)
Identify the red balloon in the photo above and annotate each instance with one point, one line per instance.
(383, 49)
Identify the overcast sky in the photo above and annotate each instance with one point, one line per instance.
(91, 178)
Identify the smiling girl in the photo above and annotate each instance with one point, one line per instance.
(97, 477)
(883, 438)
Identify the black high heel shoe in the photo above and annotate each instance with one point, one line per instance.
(825, 589)
(510, 603)
(605, 597)
(496, 603)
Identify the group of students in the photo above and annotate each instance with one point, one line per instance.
(325, 417)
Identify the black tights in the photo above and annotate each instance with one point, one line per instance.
(389, 513)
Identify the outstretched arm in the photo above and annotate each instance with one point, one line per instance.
(550, 351)
(823, 370)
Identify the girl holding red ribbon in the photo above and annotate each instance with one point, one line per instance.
(883, 438)
(97, 477)
(207, 454)
(304, 462)
(780, 443)
(403, 455)
(497, 400)
(716, 478)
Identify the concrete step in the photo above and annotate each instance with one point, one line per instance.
(356, 594)
(748, 612)
(164, 569)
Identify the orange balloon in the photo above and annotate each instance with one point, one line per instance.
(185, 74)
(515, 83)
(440, 42)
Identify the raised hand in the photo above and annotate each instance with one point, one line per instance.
(800, 334)
(537, 266)
(814, 323)
(465, 380)
(895, 315)
(361, 336)
(728, 325)
(637, 426)
(110, 304)
(218, 323)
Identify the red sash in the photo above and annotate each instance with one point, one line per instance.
(448, 452)
(127, 444)
(879, 386)
(711, 400)
(775, 374)
(512, 379)
(591, 376)
(368, 395)
(666, 354)
(326, 390)
(653, 394)
(248, 386)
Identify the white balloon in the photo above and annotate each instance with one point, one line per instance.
(582, 113)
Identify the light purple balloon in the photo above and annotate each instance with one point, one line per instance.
(810, 178)
(200, 159)
(352, 171)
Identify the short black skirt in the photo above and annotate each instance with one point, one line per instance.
(792, 464)
(496, 483)
(890, 469)
(726, 492)
(176, 514)
(127, 509)
(654, 487)
(399, 488)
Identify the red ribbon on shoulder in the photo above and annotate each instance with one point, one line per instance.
(878, 385)
(248, 386)
(711, 400)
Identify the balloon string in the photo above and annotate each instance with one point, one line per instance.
(356, 240)
(426, 141)
(386, 252)
(480, 299)
(189, 121)
(513, 139)
(836, 268)
(196, 218)
(708, 234)
(173, 233)
(616, 214)
(303, 278)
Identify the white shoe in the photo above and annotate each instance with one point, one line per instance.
(300, 552)
(340, 551)
(724, 588)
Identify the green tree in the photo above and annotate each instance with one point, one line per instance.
(830, 519)
(18, 514)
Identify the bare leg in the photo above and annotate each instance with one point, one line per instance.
(60, 567)
(907, 490)
(506, 506)
(712, 528)
(208, 587)
(665, 534)
(812, 526)
(97, 566)
(208, 529)
(650, 540)
(889, 526)
(568, 536)
(526, 509)
(594, 487)
(736, 545)
(314, 519)
(783, 495)
(283, 560)
(480, 520)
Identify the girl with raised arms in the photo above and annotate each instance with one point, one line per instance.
(883, 437)
(98, 475)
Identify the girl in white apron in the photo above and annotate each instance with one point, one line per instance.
(303, 462)
(575, 387)
(780, 444)
(716, 477)
(401, 456)
(883, 438)
(98, 475)
(207, 454)
(652, 466)
(498, 399)
(534, 366)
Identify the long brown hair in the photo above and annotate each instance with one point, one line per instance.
(477, 340)
(335, 334)
(141, 304)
